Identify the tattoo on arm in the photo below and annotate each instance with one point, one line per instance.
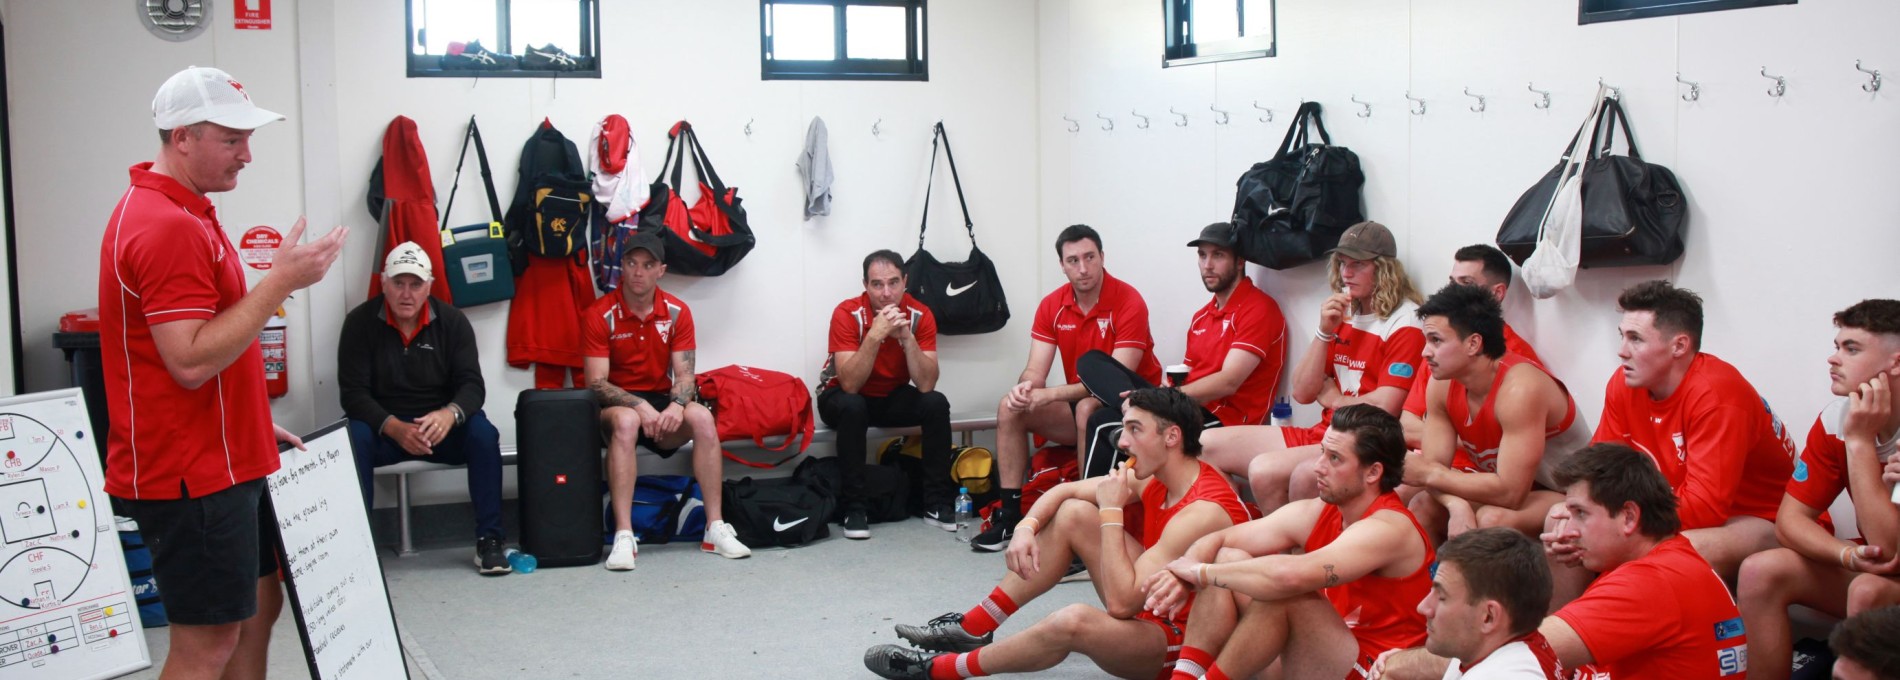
(685, 379)
(609, 395)
(1332, 579)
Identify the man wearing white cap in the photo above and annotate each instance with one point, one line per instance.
(411, 383)
(191, 437)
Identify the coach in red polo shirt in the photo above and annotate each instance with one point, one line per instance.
(882, 370)
(637, 346)
(192, 438)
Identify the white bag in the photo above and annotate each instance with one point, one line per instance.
(1553, 266)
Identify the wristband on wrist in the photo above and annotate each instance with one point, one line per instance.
(1103, 514)
(1848, 558)
(1203, 579)
(1325, 336)
(1026, 520)
(1111, 524)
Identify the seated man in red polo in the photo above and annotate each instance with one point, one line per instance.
(638, 344)
(1323, 585)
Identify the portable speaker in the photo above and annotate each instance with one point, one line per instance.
(559, 472)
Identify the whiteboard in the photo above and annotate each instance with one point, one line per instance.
(336, 586)
(68, 607)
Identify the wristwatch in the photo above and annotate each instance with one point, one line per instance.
(677, 399)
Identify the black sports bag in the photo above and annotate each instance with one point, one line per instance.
(1290, 209)
(966, 297)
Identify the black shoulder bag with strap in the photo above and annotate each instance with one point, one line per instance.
(967, 296)
(1290, 209)
(708, 237)
(476, 267)
(1634, 212)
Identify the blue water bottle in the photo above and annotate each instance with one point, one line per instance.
(523, 563)
(966, 516)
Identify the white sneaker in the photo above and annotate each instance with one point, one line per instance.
(626, 548)
(723, 540)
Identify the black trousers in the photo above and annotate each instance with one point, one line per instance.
(851, 414)
(1107, 379)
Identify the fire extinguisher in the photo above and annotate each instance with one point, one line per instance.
(272, 341)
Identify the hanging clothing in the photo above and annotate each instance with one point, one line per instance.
(544, 320)
(407, 204)
(614, 157)
(814, 167)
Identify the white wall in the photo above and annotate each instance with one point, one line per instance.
(1788, 223)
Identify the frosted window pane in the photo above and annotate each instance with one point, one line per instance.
(1216, 20)
(874, 32)
(445, 21)
(804, 32)
(540, 22)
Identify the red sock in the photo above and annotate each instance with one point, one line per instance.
(1214, 673)
(989, 614)
(955, 666)
(1193, 664)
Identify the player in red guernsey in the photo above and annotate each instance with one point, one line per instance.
(1351, 592)
(1484, 266)
(1126, 526)
(1843, 453)
(1497, 423)
(1657, 611)
(1095, 311)
(1366, 352)
(1488, 597)
(1712, 436)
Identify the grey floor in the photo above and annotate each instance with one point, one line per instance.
(808, 612)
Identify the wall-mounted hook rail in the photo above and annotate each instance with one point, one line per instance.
(1781, 84)
(1267, 118)
(1107, 122)
(1420, 111)
(1615, 92)
(1074, 126)
(877, 128)
(1545, 104)
(1695, 88)
(748, 126)
(1144, 119)
(1367, 112)
(1222, 120)
(1478, 107)
(1872, 85)
(1179, 123)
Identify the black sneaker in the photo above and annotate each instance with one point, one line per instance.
(996, 539)
(490, 557)
(549, 58)
(941, 516)
(856, 526)
(474, 57)
(898, 663)
(943, 634)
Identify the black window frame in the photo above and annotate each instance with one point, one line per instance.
(1599, 11)
(914, 67)
(430, 65)
(1180, 49)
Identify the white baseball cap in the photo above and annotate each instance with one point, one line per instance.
(197, 95)
(407, 258)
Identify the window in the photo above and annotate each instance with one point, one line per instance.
(1594, 11)
(504, 38)
(1203, 31)
(842, 40)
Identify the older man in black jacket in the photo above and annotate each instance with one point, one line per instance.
(412, 389)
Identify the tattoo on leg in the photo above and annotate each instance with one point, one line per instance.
(1332, 579)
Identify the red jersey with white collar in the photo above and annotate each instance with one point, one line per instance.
(1119, 319)
(1480, 435)
(639, 350)
(1250, 322)
(1714, 438)
(852, 320)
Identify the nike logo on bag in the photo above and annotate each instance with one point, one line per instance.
(954, 291)
(778, 526)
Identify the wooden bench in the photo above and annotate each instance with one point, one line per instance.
(964, 424)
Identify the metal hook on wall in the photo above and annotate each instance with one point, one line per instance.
(1107, 122)
(1420, 111)
(748, 126)
(1143, 125)
(1873, 85)
(1367, 113)
(877, 128)
(1222, 120)
(1781, 84)
(1545, 104)
(1479, 108)
(1615, 92)
(1269, 117)
(1074, 126)
(1695, 88)
(1179, 123)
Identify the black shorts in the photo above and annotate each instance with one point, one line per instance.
(659, 401)
(208, 552)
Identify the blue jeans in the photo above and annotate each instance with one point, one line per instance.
(475, 443)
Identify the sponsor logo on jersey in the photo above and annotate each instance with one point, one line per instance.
(1400, 369)
(1733, 661)
(1730, 628)
(1800, 469)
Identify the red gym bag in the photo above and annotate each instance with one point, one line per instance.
(755, 403)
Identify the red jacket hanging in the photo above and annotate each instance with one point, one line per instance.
(409, 198)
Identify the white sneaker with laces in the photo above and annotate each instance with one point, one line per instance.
(723, 540)
(626, 548)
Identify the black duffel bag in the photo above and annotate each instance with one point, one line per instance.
(966, 297)
(708, 237)
(1634, 212)
(1291, 209)
(786, 511)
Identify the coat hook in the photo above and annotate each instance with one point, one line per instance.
(1144, 119)
(1222, 120)
(1179, 123)
(1073, 125)
(1367, 113)
(1480, 107)
(1695, 88)
(1107, 122)
(1545, 104)
(748, 126)
(1781, 84)
(877, 128)
(1615, 92)
(1420, 111)
(1871, 86)
(1269, 117)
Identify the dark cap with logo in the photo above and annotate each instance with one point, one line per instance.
(647, 241)
(1367, 240)
(1216, 234)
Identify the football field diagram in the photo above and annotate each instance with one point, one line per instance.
(51, 517)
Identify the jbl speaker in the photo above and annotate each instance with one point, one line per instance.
(559, 472)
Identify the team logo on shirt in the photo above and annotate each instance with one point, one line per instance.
(1682, 454)
(665, 329)
(1103, 324)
